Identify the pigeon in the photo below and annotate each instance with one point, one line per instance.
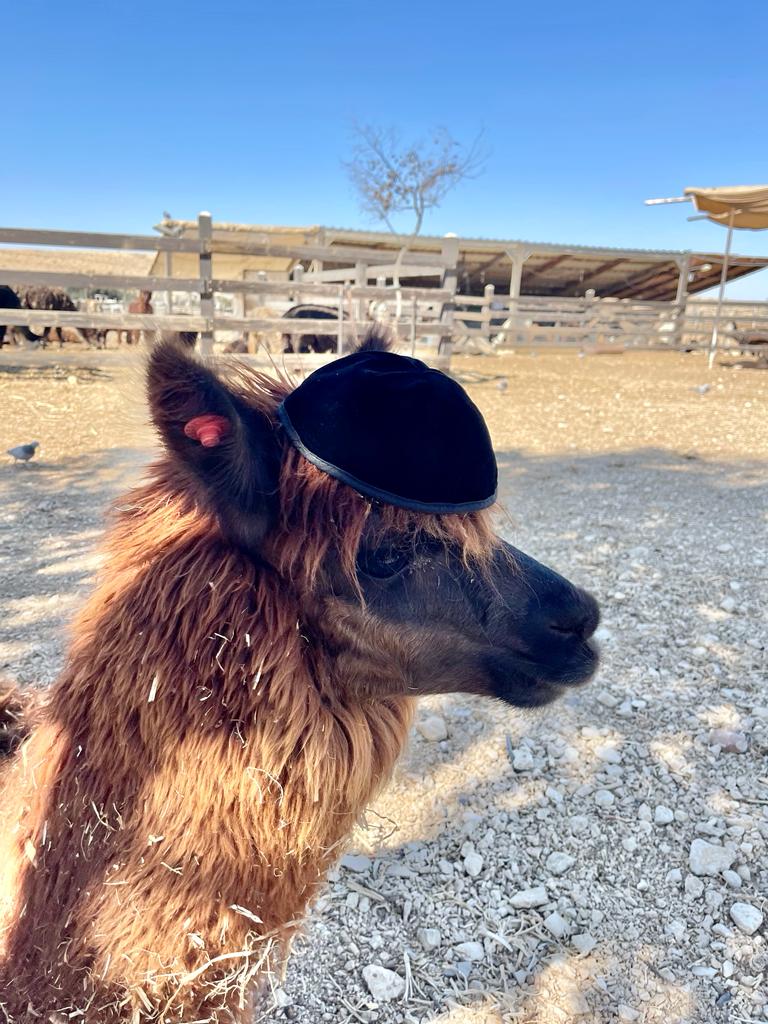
(24, 452)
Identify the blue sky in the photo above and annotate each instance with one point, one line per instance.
(116, 112)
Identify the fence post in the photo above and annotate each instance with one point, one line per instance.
(207, 308)
(488, 293)
(593, 333)
(449, 282)
(297, 276)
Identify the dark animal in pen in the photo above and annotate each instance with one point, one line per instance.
(10, 300)
(55, 300)
(310, 342)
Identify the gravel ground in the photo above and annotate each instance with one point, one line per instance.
(603, 860)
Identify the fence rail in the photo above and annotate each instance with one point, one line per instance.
(438, 315)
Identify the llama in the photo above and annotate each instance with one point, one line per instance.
(239, 687)
(142, 304)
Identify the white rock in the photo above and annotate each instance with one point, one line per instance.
(700, 971)
(430, 938)
(746, 917)
(732, 879)
(628, 1013)
(472, 951)
(694, 886)
(583, 942)
(473, 864)
(663, 815)
(575, 1003)
(433, 728)
(604, 798)
(355, 862)
(730, 741)
(556, 925)
(522, 760)
(280, 997)
(675, 875)
(527, 898)
(558, 863)
(709, 858)
(578, 823)
(383, 984)
(728, 604)
(608, 754)
(644, 813)
(608, 700)
(727, 968)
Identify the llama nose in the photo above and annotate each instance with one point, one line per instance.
(579, 618)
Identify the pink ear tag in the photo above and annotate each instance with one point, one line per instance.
(208, 429)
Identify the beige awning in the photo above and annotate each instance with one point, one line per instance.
(746, 204)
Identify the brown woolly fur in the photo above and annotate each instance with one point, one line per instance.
(196, 766)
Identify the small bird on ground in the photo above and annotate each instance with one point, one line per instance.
(24, 452)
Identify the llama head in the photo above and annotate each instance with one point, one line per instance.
(393, 600)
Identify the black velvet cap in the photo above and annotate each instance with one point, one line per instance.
(395, 430)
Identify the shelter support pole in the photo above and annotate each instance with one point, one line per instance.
(359, 310)
(449, 282)
(721, 292)
(340, 333)
(205, 235)
(681, 299)
(518, 258)
(168, 270)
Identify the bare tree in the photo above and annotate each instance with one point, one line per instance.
(392, 178)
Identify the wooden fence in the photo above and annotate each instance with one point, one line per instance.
(501, 321)
(428, 316)
(433, 306)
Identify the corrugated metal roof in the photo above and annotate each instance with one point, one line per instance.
(483, 242)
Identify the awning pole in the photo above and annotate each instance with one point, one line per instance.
(721, 293)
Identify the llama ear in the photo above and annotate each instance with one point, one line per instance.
(222, 443)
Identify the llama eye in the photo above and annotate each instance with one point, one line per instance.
(383, 562)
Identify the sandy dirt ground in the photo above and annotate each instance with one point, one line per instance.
(642, 477)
